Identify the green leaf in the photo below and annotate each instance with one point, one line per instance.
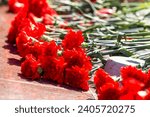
(125, 52)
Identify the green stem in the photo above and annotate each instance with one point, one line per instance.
(83, 14)
(91, 28)
(138, 34)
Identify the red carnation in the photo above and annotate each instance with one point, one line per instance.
(42, 48)
(109, 91)
(48, 15)
(72, 40)
(14, 29)
(101, 78)
(53, 68)
(77, 77)
(30, 33)
(147, 97)
(36, 49)
(43, 8)
(24, 44)
(36, 6)
(48, 10)
(16, 5)
(50, 49)
(133, 85)
(28, 45)
(128, 96)
(29, 67)
(32, 28)
(143, 95)
(77, 58)
(133, 73)
(32, 5)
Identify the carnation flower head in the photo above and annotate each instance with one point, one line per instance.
(53, 68)
(128, 96)
(43, 8)
(77, 77)
(143, 95)
(29, 67)
(23, 43)
(101, 78)
(77, 58)
(72, 40)
(16, 6)
(50, 49)
(132, 72)
(14, 28)
(32, 28)
(27, 44)
(132, 85)
(109, 91)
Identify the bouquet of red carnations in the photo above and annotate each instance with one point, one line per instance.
(65, 61)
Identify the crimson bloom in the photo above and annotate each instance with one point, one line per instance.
(53, 68)
(24, 44)
(29, 67)
(101, 78)
(77, 77)
(134, 81)
(147, 95)
(133, 85)
(130, 72)
(44, 49)
(72, 40)
(77, 58)
(143, 95)
(36, 49)
(50, 49)
(35, 31)
(109, 91)
(14, 29)
(43, 8)
(128, 96)
(32, 28)
(22, 23)
(139, 95)
(30, 33)
(16, 5)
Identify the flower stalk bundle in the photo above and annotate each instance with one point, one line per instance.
(68, 45)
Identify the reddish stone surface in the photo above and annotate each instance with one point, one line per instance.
(12, 84)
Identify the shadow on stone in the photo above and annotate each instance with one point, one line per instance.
(13, 61)
(49, 82)
(12, 48)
